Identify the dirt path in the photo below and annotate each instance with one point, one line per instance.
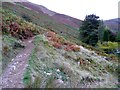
(12, 77)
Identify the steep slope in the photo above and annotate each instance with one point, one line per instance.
(54, 66)
(67, 20)
(58, 17)
(33, 6)
(59, 23)
(54, 62)
(112, 24)
(43, 20)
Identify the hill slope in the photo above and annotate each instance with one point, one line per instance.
(43, 20)
(54, 62)
(113, 24)
(49, 19)
(58, 17)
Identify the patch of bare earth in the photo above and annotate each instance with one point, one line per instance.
(12, 77)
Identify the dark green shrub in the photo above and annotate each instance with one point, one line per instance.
(89, 30)
(27, 18)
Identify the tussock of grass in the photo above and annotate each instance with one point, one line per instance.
(37, 82)
(27, 80)
(49, 83)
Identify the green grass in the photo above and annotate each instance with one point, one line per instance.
(37, 82)
(36, 65)
(108, 45)
(0, 62)
(38, 39)
(49, 83)
(42, 20)
(42, 67)
(27, 80)
(9, 50)
(9, 40)
(31, 63)
(45, 21)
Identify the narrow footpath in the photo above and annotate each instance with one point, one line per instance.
(12, 77)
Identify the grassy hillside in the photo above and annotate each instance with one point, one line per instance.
(57, 60)
(52, 67)
(45, 21)
(65, 19)
(42, 20)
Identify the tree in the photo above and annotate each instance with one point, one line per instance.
(118, 37)
(89, 29)
(106, 35)
(112, 36)
(101, 29)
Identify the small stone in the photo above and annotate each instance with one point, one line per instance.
(12, 59)
(44, 72)
(30, 41)
(60, 81)
(48, 74)
(78, 63)
(20, 56)
(25, 54)
(60, 77)
(58, 70)
(13, 67)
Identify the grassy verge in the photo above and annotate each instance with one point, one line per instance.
(10, 48)
(27, 80)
